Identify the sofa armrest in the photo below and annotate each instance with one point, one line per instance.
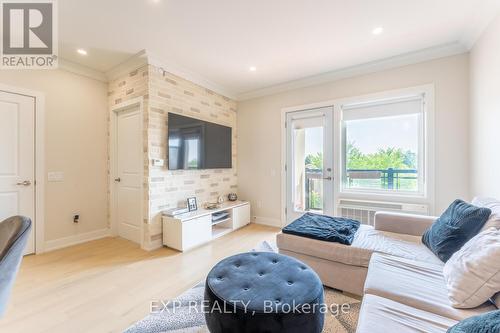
(410, 224)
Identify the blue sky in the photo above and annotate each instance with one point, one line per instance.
(371, 134)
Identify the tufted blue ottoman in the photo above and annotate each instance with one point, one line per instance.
(263, 292)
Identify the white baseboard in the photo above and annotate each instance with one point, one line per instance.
(154, 245)
(267, 221)
(76, 239)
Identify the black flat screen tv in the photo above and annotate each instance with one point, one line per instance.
(198, 144)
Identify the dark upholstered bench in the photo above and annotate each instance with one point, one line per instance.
(263, 292)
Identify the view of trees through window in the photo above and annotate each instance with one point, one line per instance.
(314, 173)
(381, 153)
(388, 168)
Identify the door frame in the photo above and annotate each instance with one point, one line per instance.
(39, 181)
(284, 113)
(113, 116)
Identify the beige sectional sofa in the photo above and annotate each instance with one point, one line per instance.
(400, 279)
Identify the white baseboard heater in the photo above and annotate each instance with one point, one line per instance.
(364, 210)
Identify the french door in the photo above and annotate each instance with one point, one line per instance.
(309, 162)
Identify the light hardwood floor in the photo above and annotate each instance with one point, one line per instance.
(108, 284)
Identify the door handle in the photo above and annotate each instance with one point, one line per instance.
(327, 178)
(24, 183)
(118, 179)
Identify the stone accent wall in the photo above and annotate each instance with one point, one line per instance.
(168, 189)
(163, 93)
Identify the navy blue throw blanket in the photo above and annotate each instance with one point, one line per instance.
(325, 228)
(488, 322)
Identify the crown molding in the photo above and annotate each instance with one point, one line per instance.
(75, 68)
(145, 57)
(134, 62)
(440, 51)
(189, 75)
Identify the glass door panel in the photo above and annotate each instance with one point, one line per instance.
(309, 173)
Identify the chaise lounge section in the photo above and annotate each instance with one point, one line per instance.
(345, 267)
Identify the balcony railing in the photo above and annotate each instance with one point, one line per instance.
(382, 179)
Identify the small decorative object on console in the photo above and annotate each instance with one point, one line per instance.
(232, 197)
(220, 199)
(192, 205)
(211, 205)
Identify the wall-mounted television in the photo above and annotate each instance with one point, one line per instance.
(198, 144)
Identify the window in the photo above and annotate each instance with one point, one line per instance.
(383, 146)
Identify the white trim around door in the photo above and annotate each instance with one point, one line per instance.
(39, 223)
(115, 110)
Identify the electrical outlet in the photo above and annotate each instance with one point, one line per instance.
(76, 218)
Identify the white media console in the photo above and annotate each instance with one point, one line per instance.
(188, 230)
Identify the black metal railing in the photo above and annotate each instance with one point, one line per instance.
(385, 179)
(390, 179)
(314, 189)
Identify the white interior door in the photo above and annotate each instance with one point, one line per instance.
(128, 174)
(309, 154)
(17, 159)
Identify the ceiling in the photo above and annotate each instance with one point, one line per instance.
(285, 40)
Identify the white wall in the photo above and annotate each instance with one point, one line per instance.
(75, 143)
(485, 113)
(259, 129)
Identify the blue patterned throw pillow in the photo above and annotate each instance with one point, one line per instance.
(458, 224)
(488, 322)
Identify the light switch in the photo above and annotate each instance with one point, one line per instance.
(55, 176)
(158, 162)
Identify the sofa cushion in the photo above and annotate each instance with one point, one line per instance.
(460, 222)
(382, 315)
(494, 205)
(366, 241)
(472, 274)
(415, 283)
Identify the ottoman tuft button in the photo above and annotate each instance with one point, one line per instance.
(290, 283)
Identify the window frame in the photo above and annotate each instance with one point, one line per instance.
(425, 140)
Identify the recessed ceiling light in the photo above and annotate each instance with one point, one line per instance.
(377, 30)
(81, 51)
(252, 69)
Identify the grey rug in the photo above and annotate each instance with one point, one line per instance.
(188, 317)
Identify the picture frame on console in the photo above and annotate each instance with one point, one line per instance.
(192, 204)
